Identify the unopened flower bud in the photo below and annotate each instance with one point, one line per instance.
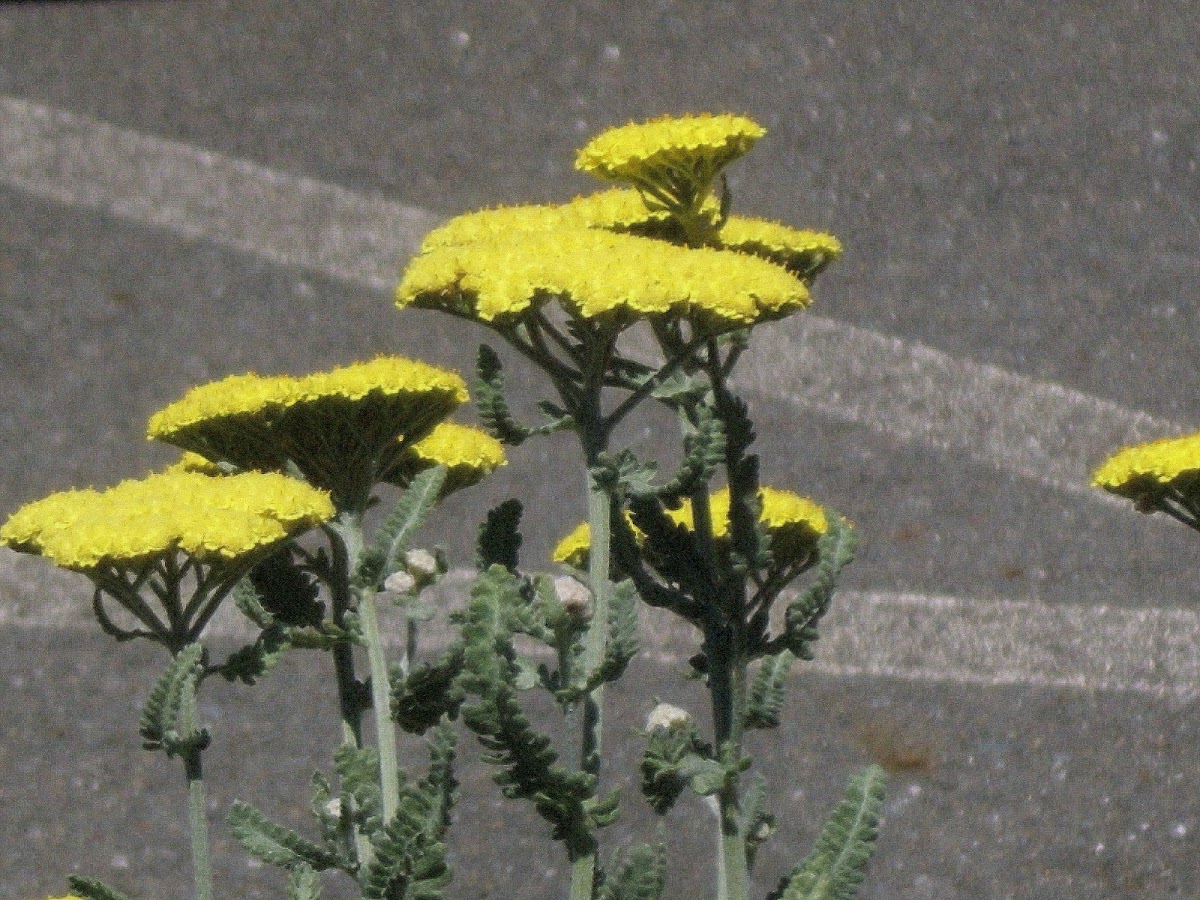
(421, 564)
(666, 715)
(334, 807)
(574, 596)
(399, 582)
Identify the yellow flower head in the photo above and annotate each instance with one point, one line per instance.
(573, 549)
(194, 462)
(802, 252)
(340, 428)
(672, 159)
(617, 209)
(212, 519)
(1145, 472)
(495, 222)
(597, 274)
(469, 455)
(794, 522)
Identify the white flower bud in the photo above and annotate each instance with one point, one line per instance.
(334, 807)
(399, 583)
(574, 596)
(421, 564)
(665, 715)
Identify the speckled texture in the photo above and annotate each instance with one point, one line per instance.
(993, 793)
(1015, 183)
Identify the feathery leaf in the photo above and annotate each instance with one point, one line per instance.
(273, 843)
(835, 868)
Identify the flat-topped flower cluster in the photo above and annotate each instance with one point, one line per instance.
(661, 249)
(266, 459)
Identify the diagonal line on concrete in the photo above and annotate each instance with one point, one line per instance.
(915, 394)
(910, 392)
(906, 636)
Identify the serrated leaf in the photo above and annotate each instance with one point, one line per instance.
(704, 776)
(286, 592)
(499, 541)
(303, 883)
(491, 402)
(381, 559)
(91, 889)
(837, 865)
(429, 692)
(755, 823)
(439, 784)
(245, 598)
(159, 722)
(641, 876)
(273, 843)
(681, 388)
(256, 660)
(835, 549)
(358, 769)
(528, 674)
(704, 451)
(408, 862)
(622, 645)
(767, 693)
(662, 782)
(527, 762)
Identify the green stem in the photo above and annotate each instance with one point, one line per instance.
(583, 867)
(345, 546)
(197, 800)
(727, 688)
(385, 728)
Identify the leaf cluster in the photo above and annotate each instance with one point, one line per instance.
(493, 405)
(160, 725)
(407, 854)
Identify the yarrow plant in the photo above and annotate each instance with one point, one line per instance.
(268, 506)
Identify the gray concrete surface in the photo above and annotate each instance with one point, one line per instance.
(1016, 186)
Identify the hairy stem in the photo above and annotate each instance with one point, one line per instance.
(385, 728)
(197, 799)
(345, 546)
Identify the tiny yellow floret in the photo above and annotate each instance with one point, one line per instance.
(794, 522)
(780, 509)
(573, 549)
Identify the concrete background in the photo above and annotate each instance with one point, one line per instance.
(1016, 187)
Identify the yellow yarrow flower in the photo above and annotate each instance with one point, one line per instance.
(213, 519)
(1146, 472)
(672, 159)
(597, 274)
(492, 223)
(573, 549)
(469, 455)
(194, 462)
(342, 428)
(794, 522)
(800, 251)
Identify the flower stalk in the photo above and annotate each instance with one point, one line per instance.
(268, 458)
